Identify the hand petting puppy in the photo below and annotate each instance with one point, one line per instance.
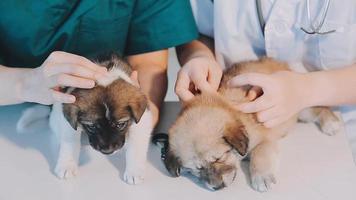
(283, 95)
(60, 69)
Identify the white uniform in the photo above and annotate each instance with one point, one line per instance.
(235, 26)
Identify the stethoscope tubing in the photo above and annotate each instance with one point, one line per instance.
(311, 30)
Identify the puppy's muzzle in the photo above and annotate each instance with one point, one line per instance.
(107, 150)
(219, 187)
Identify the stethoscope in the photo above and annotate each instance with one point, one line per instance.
(314, 28)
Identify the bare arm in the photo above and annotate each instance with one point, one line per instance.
(152, 76)
(332, 87)
(203, 46)
(10, 79)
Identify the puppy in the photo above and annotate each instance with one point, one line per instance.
(113, 114)
(210, 137)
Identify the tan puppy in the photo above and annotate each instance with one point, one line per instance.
(210, 137)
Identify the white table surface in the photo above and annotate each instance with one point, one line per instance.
(313, 166)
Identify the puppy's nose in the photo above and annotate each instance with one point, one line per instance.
(219, 187)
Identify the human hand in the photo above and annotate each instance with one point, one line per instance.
(134, 78)
(283, 95)
(60, 69)
(200, 74)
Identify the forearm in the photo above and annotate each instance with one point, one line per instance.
(332, 87)
(153, 82)
(10, 85)
(204, 46)
(152, 77)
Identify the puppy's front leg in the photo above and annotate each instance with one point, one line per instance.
(69, 145)
(263, 165)
(68, 157)
(136, 149)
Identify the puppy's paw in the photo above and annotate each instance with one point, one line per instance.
(134, 177)
(331, 126)
(66, 169)
(329, 123)
(262, 183)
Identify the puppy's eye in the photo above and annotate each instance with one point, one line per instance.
(121, 125)
(200, 168)
(223, 157)
(92, 127)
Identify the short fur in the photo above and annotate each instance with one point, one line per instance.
(210, 137)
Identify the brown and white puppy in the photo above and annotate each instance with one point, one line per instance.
(210, 137)
(113, 114)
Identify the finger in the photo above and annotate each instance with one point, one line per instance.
(64, 57)
(182, 87)
(202, 84)
(214, 78)
(254, 93)
(185, 95)
(134, 78)
(268, 114)
(258, 105)
(66, 80)
(275, 122)
(194, 90)
(74, 69)
(256, 79)
(62, 97)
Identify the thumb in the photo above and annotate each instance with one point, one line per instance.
(203, 85)
(182, 87)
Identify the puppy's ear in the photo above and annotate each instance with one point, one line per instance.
(137, 107)
(70, 112)
(236, 136)
(172, 164)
